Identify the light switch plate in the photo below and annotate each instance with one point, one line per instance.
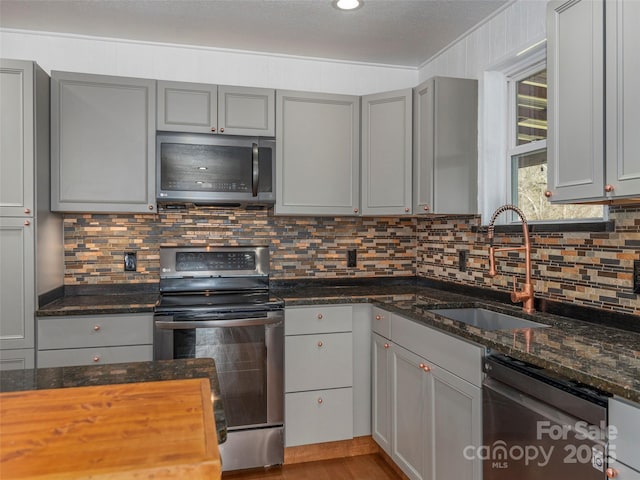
(130, 262)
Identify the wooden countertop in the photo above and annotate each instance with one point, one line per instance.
(156, 430)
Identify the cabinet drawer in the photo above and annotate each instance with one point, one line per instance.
(94, 356)
(319, 361)
(381, 322)
(318, 319)
(318, 416)
(94, 331)
(459, 357)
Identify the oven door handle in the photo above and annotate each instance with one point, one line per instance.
(243, 322)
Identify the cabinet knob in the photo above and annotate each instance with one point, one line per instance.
(27, 210)
(406, 209)
(611, 472)
(96, 328)
(548, 194)
(386, 345)
(320, 401)
(320, 344)
(213, 129)
(151, 207)
(222, 130)
(355, 210)
(378, 317)
(96, 358)
(609, 188)
(426, 208)
(27, 223)
(319, 316)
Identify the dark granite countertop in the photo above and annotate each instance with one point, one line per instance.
(596, 354)
(84, 376)
(604, 357)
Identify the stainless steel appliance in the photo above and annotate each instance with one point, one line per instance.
(215, 302)
(537, 425)
(220, 170)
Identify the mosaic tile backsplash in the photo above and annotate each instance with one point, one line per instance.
(589, 269)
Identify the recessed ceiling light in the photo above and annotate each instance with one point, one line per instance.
(347, 4)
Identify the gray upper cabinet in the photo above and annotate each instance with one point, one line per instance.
(317, 154)
(17, 147)
(102, 143)
(445, 146)
(593, 146)
(202, 108)
(387, 125)
(622, 99)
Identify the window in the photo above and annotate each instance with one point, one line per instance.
(527, 151)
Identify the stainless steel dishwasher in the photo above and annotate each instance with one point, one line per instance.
(537, 425)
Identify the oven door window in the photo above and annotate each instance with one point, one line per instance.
(240, 354)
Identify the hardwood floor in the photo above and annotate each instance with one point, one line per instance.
(361, 467)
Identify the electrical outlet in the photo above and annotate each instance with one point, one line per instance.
(130, 262)
(352, 259)
(636, 276)
(462, 260)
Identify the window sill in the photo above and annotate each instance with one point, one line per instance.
(594, 227)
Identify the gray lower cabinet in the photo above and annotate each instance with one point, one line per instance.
(624, 438)
(445, 146)
(319, 366)
(31, 252)
(426, 388)
(217, 109)
(593, 148)
(102, 143)
(317, 154)
(94, 339)
(387, 125)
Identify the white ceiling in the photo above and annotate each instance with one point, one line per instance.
(394, 32)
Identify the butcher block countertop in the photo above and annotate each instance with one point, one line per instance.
(160, 430)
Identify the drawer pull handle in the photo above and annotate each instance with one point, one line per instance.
(96, 328)
(320, 344)
(386, 345)
(96, 358)
(424, 367)
(378, 317)
(319, 316)
(320, 401)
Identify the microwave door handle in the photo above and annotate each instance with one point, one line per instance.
(256, 171)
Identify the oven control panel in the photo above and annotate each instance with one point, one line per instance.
(184, 262)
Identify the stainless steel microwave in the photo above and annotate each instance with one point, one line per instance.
(215, 170)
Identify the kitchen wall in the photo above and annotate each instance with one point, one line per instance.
(588, 269)
(77, 53)
(301, 247)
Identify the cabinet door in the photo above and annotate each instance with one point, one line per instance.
(409, 412)
(575, 63)
(445, 146)
(17, 283)
(103, 143)
(456, 423)
(387, 125)
(381, 390)
(16, 138)
(622, 99)
(187, 107)
(246, 111)
(21, 359)
(317, 154)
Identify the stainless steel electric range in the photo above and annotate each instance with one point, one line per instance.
(215, 302)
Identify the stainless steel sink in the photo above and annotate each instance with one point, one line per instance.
(486, 319)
